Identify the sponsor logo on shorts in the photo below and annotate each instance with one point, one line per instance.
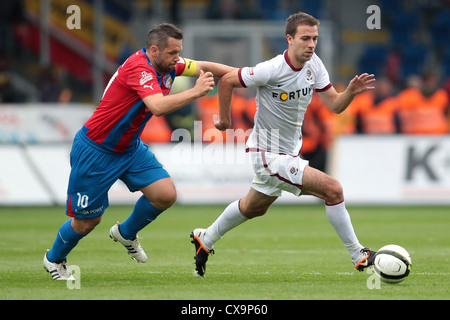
(91, 211)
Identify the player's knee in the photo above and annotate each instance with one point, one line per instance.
(254, 211)
(258, 212)
(166, 199)
(335, 193)
(169, 199)
(161, 194)
(85, 226)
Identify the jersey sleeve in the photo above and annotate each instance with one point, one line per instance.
(186, 67)
(322, 82)
(255, 76)
(143, 80)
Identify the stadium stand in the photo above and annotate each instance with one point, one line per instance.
(418, 32)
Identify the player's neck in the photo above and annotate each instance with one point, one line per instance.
(293, 62)
(153, 63)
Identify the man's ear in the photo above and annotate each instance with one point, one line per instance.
(154, 50)
(289, 39)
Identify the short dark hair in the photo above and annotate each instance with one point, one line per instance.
(159, 34)
(298, 19)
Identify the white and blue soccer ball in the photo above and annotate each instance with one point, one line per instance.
(392, 263)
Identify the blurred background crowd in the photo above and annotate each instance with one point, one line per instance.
(41, 60)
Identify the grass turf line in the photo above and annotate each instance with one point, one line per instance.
(291, 253)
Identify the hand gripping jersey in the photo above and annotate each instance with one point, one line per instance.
(283, 94)
(121, 115)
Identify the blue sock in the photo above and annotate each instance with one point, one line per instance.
(65, 241)
(144, 213)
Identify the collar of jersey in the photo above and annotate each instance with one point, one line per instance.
(286, 57)
(144, 51)
(159, 75)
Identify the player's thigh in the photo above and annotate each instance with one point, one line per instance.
(92, 175)
(148, 175)
(144, 169)
(321, 185)
(255, 203)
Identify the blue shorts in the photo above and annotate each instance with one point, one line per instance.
(94, 170)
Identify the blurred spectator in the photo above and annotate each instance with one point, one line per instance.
(376, 111)
(314, 134)
(207, 106)
(9, 93)
(156, 130)
(393, 67)
(50, 87)
(337, 124)
(12, 22)
(225, 10)
(447, 89)
(174, 11)
(233, 10)
(243, 109)
(320, 127)
(184, 117)
(423, 106)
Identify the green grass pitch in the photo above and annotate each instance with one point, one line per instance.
(291, 253)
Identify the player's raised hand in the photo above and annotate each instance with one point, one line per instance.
(361, 83)
(205, 83)
(220, 123)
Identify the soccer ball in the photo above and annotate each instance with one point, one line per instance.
(392, 263)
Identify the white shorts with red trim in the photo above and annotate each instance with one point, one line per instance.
(275, 173)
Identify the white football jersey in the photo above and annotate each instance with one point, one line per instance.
(283, 94)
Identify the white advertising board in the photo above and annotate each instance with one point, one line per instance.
(395, 169)
(206, 173)
(19, 181)
(372, 170)
(41, 123)
(211, 173)
(53, 164)
(202, 173)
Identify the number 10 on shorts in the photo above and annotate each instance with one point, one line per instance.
(83, 200)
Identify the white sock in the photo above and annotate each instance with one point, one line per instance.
(230, 218)
(340, 220)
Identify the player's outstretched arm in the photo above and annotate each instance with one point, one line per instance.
(159, 105)
(225, 90)
(338, 102)
(217, 69)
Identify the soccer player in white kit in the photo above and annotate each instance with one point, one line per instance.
(285, 86)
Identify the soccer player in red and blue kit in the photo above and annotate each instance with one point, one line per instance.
(108, 147)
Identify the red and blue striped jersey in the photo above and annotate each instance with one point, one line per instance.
(121, 116)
